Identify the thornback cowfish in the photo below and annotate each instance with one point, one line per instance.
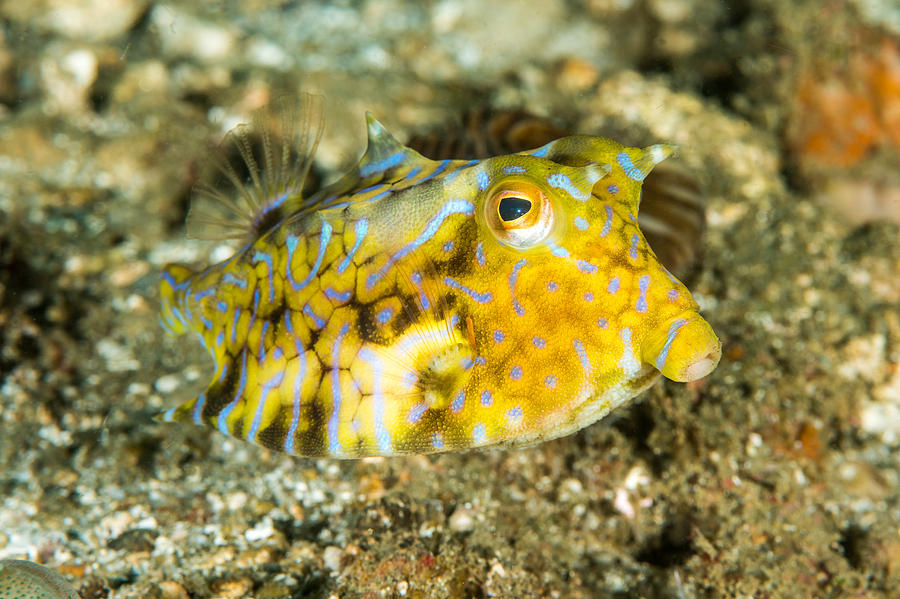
(418, 305)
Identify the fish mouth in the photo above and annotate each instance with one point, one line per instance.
(683, 348)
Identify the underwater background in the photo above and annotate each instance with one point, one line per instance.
(775, 476)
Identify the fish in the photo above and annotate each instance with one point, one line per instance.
(417, 306)
(20, 578)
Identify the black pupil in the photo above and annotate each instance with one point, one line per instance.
(512, 208)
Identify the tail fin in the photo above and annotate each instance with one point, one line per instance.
(173, 310)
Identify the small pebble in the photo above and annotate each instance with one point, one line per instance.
(332, 558)
(462, 520)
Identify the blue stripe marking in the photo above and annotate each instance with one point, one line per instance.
(539, 342)
(222, 306)
(513, 277)
(412, 174)
(224, 372)
(588, 297)
(168, 278)
(479, 433)
(483, 180)
(234, 324)
(318, 322)
(416, 412)
(230, 278)
(481, 298)
(613, 285)
(515, 373)
(263, 257)
(197, 412)
(643, 284)
(583, 357)
(602, 323)
(262, 341)
(334, 444)
(586, 267)
(581, 224)
(377, 196)
(440, 168)
(455, 173)
(199, 295)
(670, 337)
(479, 254)
(634, 243)
(552, 286)
(543, 150)
(220, 338)
(514, 414)
(417, 281)
(372, 188)
(362, 227)
(448, 246)
(550, 381)
(338, 296)
(486, 398)
(268, 387)
(608, 224)
(291, 242)
(207, 323)
(384, 164)
(628, 166)
(437, 440)
(561, 181)
(295, 404)
(499, 336)
(513, 169)
(222, 419)
(613, 188)
(452, 207)
(324, 238)
(382, 436)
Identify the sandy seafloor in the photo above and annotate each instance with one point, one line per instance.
(776, 476)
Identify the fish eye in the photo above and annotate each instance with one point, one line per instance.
(519, 214)
(512, 208)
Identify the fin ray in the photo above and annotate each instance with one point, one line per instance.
(263, 184)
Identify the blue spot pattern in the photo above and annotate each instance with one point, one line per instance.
(643, 284)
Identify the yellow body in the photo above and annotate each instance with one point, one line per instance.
(418, 306)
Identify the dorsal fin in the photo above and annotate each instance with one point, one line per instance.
(264, 184)
(384, 153)
(385, 159)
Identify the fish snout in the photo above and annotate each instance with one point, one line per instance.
(683, 348)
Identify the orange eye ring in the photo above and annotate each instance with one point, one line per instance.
(519, 213)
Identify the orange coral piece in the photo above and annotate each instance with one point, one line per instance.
(843, 115)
